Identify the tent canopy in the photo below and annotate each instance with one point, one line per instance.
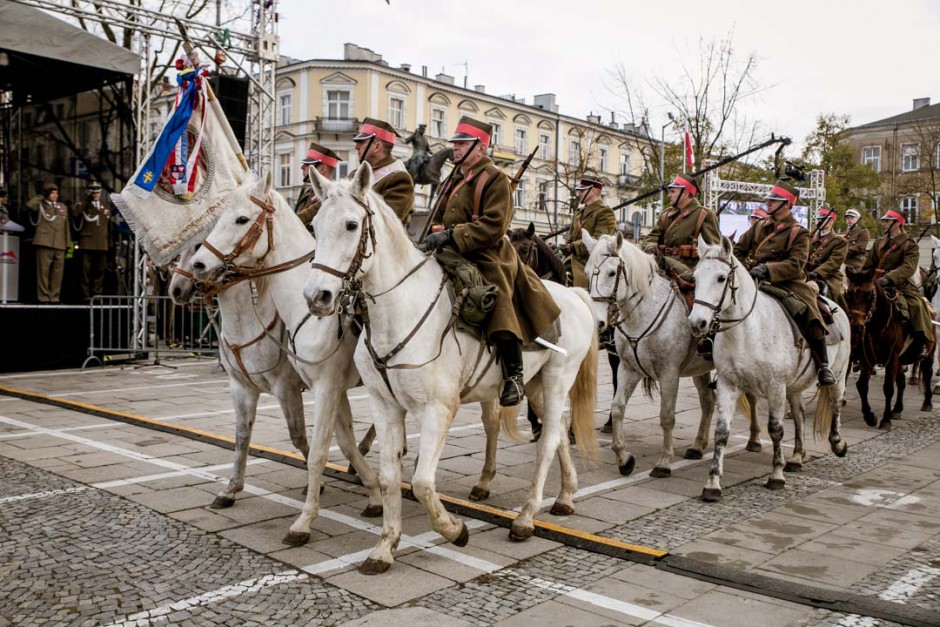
(47, 58)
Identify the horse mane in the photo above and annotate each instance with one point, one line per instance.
(639, 267)
(402, 246)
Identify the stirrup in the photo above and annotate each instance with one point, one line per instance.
(824, 376)
(513, 391)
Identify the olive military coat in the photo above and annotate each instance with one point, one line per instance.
(597, 219)
(857, 239)
(676, 233)
(95, 230)
(52, 231)
(523, 307)
(396, 188)
(897, 260)
(826, 256)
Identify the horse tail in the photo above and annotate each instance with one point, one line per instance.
(583, 396)
(650, 385)
(509, 423)
(749, 411)
(822, 420)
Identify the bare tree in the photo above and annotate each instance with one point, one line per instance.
(925, 181)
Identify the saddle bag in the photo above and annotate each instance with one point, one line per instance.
(475, 297)
(793, 305)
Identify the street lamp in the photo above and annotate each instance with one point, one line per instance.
(662, 159)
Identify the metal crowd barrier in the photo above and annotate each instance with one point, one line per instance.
(144, 327)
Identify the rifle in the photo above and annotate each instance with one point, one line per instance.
(444, 187)
(522, 169)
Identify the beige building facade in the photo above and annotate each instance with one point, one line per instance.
(326, 100)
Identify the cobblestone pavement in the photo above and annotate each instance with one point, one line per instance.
(105, 522)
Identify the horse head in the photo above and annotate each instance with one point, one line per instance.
(620, 276)
(715, 276)
(861, 296)
(242, 235)
(523, 240)
(183, 284)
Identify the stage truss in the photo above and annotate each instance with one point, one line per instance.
(813, 194)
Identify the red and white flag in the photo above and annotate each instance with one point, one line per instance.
(689, 153)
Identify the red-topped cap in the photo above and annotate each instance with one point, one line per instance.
(894, 215)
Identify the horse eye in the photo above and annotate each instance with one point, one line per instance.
(352, 225)
(241, 220)
(611, 273)
(721, 278)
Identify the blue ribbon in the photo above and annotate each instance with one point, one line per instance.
(148, 175)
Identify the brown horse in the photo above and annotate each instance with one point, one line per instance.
(878, 339)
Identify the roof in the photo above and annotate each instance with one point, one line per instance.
(908, 117)
(49, 58)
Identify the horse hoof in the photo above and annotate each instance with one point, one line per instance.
(222, 502)
(793, 467)
(296, 539)
(658, 472)
(628, 466)
(711, 495)
(775, 484)
(520, 534)
(693, 453)
(372, 511)
(840, 451)
(561, 509)
(608, 429)
(870, 419)
(885, 425)
(463, 537)
(479, 494)
(351, 470)
(374, 567)
(754, 447)
(844, 402)
(535, 436)
(926, 407)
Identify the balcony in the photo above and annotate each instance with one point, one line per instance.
(628, 180)
(336, 125)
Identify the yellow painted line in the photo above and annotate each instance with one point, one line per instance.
(472, 505)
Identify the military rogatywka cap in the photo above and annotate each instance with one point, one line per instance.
(588, 182)
(853, 213)
(320, 154)
(469, 129)
(684, 181)
(378, 129)
(826, 212)
(94, 187)
(783, 191)
(894, 215)
(49, 187)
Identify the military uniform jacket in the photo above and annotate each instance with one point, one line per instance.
(52, 231)
(523, 307)
(597, 219)
(396, 188)
(307, 206)
(857, 239)
(896, 259)
(783, 246)
(676, 232)
(826, 256)
(95, 225)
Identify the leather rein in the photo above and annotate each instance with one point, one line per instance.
(718, 323)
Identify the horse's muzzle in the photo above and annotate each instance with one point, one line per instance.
(698, 326)
(320, 302)
(204, 273)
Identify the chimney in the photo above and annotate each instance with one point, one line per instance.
(444, 78)
(629, 128)
(545, 101)
(480, 88)
(920, 103)
(593, 119)
(424, 71)
(406, 67)
(352, 52)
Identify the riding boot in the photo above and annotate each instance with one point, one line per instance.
(510, 357)
(817, 348)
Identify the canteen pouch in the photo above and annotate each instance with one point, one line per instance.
(478, 298)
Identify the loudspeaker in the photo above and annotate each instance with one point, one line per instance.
(232, 92)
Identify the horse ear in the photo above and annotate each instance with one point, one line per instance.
(263, 185)
(703, 247)
(320, 184)
(531, 230)
(726, 249)
(619, 241)
(589, 242)
(362, 182)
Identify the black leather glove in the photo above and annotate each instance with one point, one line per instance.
(884, 281)
(652, 249)
(437, 241)
(759, 272)
(565, 249)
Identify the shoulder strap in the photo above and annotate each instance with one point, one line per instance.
(794, 231)
(698, 223)
(478, 190)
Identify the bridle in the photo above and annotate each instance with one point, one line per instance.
(719, 324)
(352, 284)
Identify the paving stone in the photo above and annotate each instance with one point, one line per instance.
(732, 610)
(389, 589)
(410, 616)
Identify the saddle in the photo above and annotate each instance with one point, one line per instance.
(794, 308)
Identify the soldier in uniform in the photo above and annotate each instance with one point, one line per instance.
(676, 232)
(826, 256)
(390, 177)
(478, 212)
(94, 239)
(893, 258)
(593, 216)
(4, 212)
(775, 251)
(325, 161)
(857, 237)
(51, 240)
(756, 216)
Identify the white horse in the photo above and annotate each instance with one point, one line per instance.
(654, 342)
(258, 235)
(414, 362)
(253, 362)
(935, 297)
(755, 352)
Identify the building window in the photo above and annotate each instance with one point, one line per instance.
(910, 159)
(625, 163)
(519, 194)
(871, 155)
(284, 100)
(602, 158)
(396, 112)
(522, 141)
(496, 137)
(438, 122)
(342, 171)
(574, 152)
(544, 146)
(908, 206)
(284, 162)
(337, 104)
(936, 158)
(544, 189)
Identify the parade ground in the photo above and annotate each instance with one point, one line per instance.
(108, 475)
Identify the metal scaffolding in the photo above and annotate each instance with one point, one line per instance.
(813, 194)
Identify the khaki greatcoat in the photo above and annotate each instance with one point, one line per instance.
(93, 235)
(397, 189)
(523, 307)
(897, 259)
(857, 238)
(826, 256)
(597, 219)
(674, 234)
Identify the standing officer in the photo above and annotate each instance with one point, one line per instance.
(775, 251)
(676, 232)
(826, 256)
(390, 177)
(51, 240)
(477, 215)
(857, 237)
(94, 239)
(893, 258)
(325, 161)
(593, 216)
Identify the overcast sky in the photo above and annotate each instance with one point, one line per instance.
(867, 58)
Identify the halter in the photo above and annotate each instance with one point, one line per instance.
(352, 285)
(731, 284)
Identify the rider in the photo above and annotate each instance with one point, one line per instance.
(826, 255)
(756, 216)
(325, 162)
(478, 213)
(894, 260)
(857, 237)
(391, 180)
(775, 251)
(593, 216)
